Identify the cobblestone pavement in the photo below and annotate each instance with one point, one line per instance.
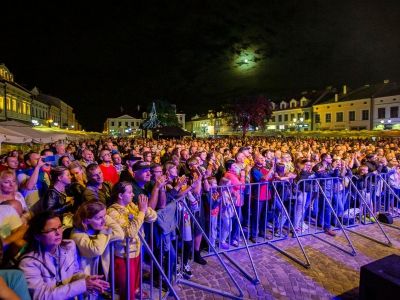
(333, 272)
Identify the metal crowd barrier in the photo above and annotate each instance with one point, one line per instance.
(147, 250)
(264, 214)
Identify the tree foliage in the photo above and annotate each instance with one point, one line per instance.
(249, 111)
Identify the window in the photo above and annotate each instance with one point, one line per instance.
(280, 118)
(291, 117)
(112, 123)
(317, 118)
(352, 115)
(119, 123)
(299, 116)
(394, 112)
(126, 124)
(306, 115)
(285, 118)
(14, 105)
(339, 117)
(365, 115)
(328, 118)
(381, 112)
(273, 119)
(137, 124)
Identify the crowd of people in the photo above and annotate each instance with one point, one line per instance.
(62, 208)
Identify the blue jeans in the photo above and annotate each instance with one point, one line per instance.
(235, 224)
(258, 214)
(15, 280)
(324, 212)
(164, 241)
(338, 203)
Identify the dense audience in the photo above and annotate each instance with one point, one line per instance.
(63, 207)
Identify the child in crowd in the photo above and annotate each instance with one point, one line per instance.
(130, 217)
(227, 212)
(215, 202)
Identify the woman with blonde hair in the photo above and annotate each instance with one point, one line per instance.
(93, 233)
(9, 191)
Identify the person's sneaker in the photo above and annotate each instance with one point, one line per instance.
(224, 246)
(253, 240)
(187, 271)
(329, 232)
(235, 243)
(304, 227)
(198, 259)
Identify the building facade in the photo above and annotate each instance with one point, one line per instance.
(122, 126)
(386, 108)
(15, 100)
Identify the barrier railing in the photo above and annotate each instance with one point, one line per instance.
(328, 191)
(234, 218)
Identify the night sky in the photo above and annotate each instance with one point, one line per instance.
(196, 54)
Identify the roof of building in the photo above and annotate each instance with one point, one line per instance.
(367, 91)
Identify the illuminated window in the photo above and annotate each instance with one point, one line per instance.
(14, 104)
(8, 103)
(1, 103)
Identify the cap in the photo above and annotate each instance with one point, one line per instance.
(140, 165)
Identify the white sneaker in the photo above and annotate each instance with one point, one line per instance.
(304, 227)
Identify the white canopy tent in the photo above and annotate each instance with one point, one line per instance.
(16, 129)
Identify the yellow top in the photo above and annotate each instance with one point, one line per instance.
(121, 214)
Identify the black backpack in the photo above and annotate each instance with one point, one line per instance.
(385, 218)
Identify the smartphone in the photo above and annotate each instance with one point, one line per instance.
(50, 158)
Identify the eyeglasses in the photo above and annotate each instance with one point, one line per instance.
(53, 230)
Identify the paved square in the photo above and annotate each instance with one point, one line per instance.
(333, 273)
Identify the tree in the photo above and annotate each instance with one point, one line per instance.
(166, 113)
(249, 111)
